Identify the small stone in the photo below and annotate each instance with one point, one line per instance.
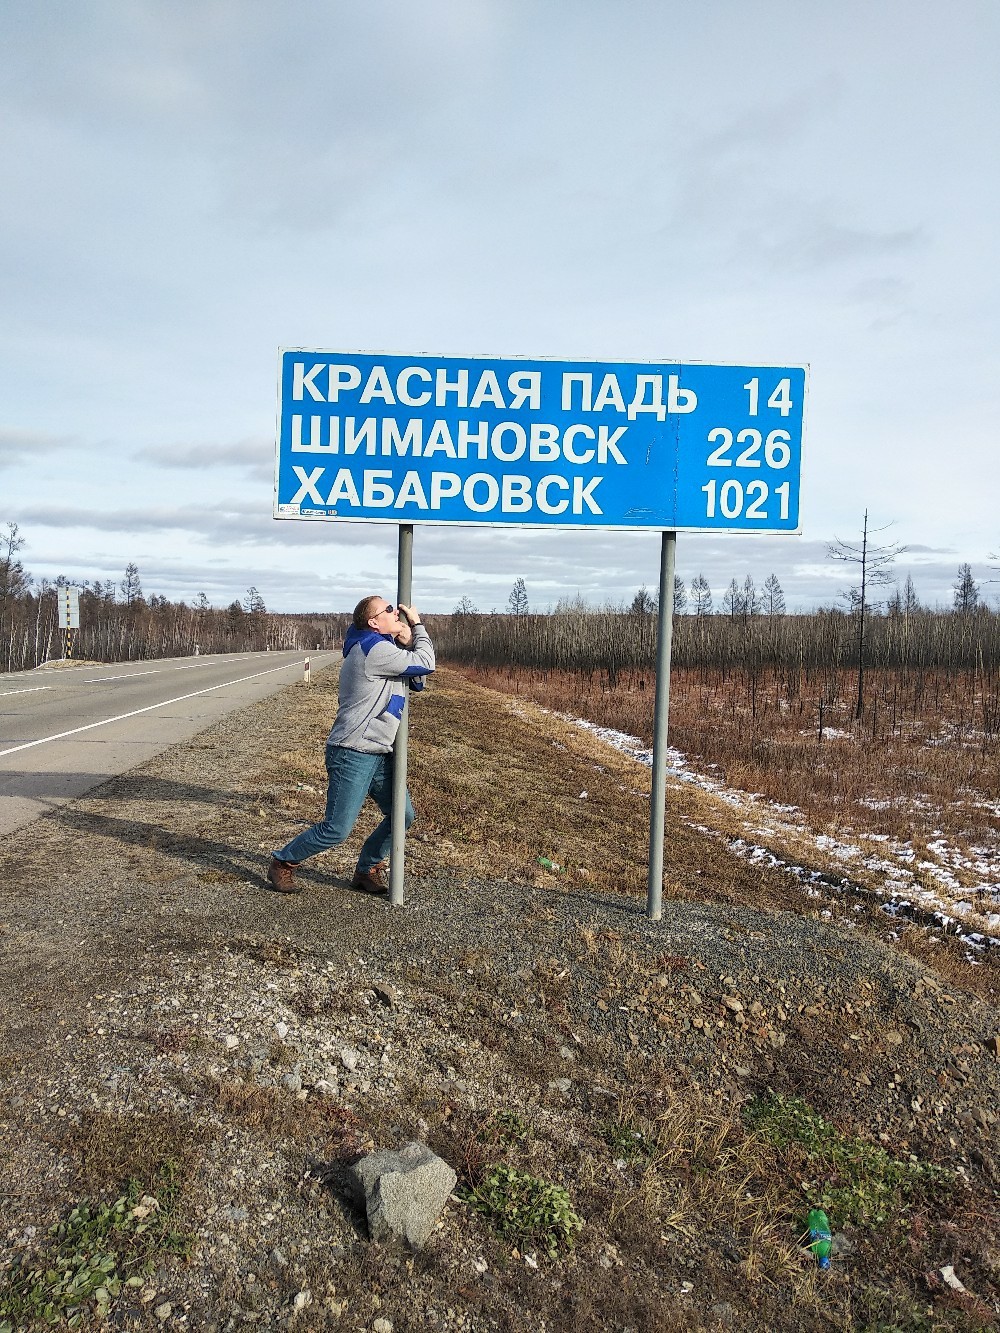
(163, 1311)
(566, 1054)
(404, 1192)
(893, 1037)
(349, 1058)
(561, 1084)
(731, 1003)
(282, 1030)
(992, 1044)
(385, 994)
(382, 1325)
(293, 1082)
(302, 1299)
(230, 1042)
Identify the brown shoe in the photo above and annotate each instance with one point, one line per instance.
(373, 880)
(281, 876)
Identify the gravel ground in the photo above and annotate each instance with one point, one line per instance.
(158, 1004)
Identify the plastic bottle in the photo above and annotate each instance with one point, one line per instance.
(546, 864)
(820, 1241)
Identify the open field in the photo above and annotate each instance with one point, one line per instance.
(681, 1089)
(907, 800)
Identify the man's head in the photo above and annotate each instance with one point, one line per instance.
(376, 613)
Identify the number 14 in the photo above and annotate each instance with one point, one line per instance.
(781, 399)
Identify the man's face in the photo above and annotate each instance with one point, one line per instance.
(384, 618)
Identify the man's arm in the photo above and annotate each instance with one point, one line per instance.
(414, 657)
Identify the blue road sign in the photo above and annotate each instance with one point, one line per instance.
(538, 443)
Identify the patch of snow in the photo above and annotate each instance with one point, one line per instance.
(925, 886)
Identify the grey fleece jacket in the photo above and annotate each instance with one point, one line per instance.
(373, 683)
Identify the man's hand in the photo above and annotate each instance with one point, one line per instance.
(410, 612)
(405, 636)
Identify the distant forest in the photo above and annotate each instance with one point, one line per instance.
(119, 622)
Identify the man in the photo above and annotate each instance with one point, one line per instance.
(386, 652)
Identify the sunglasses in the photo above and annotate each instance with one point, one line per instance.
(385, 610)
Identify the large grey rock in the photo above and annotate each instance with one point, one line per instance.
(403, 1192)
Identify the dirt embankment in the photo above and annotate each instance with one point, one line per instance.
(689, 1084)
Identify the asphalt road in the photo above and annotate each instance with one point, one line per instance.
(66, 729)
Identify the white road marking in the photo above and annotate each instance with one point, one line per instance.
(61, 735)
(32, 690)
(99, 680)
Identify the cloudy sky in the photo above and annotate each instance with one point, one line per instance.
(188, 186)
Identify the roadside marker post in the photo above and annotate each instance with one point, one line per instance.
(305, 671)
(656, 446)
(69, 617)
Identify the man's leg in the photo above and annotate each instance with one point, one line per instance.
(379, 844)
(350, 776)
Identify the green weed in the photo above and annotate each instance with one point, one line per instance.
(505, 1128)
(95, 1253)
(527, 1210)
(857, 1182)
(626, 1140)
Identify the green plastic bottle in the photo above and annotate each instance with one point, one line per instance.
(820, 1241)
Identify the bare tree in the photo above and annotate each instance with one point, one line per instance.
(966, 590)
(874, 565)
(253, 603)
(680, 595)
(752, 604)
(732, 601)
(774, 598)
(131, 585)
(517, 602)
(701, 595)
(465, 607)
(13, 579)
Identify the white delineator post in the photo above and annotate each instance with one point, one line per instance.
(661, 712)
(404, 585)
(305, 671)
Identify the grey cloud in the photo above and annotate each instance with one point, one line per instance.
(255, 457)
(19, 446)
(811, 243)
(771, 123)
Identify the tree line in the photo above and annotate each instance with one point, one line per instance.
(119, 622)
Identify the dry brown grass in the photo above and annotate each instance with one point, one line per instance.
(920, 763)
(496, 788)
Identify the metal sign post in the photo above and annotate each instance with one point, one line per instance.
(661, 711)
(404, 587)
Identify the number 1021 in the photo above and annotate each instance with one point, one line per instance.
(733, 500)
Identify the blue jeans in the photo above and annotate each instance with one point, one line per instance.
(353, 776)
